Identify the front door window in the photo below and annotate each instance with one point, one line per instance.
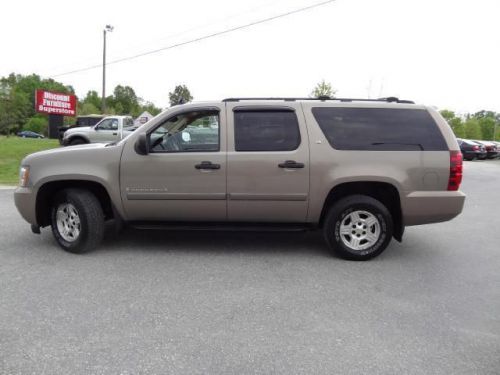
(196, 131)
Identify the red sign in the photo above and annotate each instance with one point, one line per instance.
(55, 103)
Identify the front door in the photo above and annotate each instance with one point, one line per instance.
(183, 178)
(268, 163)
(105, 131)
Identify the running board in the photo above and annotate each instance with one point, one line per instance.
(237, 227)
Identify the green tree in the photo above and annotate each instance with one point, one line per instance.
(180, 95)
(151, 108)
(323, 89)
(487, 125)
(483, 114)
(455, 122)
(15, 108)
(124, 101)
(447, 114)
(94, 99)
(458, 127)
(18, 98)
(473, 129)
(88, 109)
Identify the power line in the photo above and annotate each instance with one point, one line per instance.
(208, 36)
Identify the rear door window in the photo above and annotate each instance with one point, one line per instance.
(266, 130)
(379, 129)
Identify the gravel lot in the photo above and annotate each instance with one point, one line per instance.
(256, 303)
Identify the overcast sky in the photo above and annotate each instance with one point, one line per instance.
(444, 53)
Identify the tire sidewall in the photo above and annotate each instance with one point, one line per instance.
(344, 207)
(383, 229)
(73, 246)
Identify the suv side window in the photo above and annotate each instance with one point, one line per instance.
(109, 124)
(266, 130)
(379, 129)
(196, 131)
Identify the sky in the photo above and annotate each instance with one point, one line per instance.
(441, 53)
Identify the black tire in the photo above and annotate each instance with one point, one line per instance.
(77, 141)
(339, 213)
(91, 217)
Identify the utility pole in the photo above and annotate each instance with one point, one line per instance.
(103, 101)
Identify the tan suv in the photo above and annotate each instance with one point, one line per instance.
(359, 170)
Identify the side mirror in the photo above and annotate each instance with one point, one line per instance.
(141, 145)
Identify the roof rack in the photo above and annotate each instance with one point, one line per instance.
(390, 99)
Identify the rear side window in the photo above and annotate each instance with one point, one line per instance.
(265, 130)
(379, 129)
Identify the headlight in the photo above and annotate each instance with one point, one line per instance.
(24, 174)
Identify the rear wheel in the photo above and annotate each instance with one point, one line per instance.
(358, 227)
(77, 220)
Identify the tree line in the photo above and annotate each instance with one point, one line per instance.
(17, 102)
(482, 125)
(17, 106)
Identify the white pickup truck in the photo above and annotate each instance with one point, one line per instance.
(109, 129)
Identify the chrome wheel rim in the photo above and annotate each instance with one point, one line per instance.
(359, 230)
(68, 222)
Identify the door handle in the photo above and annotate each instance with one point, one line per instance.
(291, 164)
(207, 165)
(115, 133)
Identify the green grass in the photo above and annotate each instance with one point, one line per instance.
(13, 150)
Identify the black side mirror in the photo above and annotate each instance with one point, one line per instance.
(141, 145)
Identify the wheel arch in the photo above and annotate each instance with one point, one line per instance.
(48, 190)
(387, 193)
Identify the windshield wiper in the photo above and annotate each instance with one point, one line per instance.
(398, 143)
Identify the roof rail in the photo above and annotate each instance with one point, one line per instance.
(390, 99)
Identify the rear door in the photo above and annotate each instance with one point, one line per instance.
(268, 163)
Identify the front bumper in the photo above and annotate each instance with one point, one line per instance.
(425, 207)
(25, 201)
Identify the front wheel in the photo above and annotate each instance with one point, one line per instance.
(77, 220)
(77, 141)
(358, 227)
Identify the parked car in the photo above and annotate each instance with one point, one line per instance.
(109, 129)
(471, 150)
(359, 170)
(85, 120)
(29, 134)
(491, 149)
(498, 147)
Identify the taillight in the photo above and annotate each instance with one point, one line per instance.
(456, 169)
(475, 148)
